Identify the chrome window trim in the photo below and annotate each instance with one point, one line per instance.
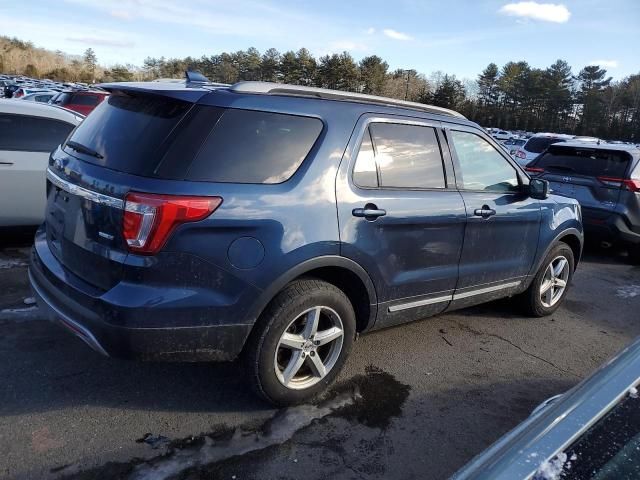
(85, 193)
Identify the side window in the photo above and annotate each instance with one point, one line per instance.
(364, 172)
(408, 156)
(247, 146)
(483, 168)
(31, 134)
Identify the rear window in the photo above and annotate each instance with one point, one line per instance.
(84, 99)
(128, 132)
(538, 144)
(161, 137)
(247, 146)
(585, 161)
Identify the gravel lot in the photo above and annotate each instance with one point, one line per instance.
(416, 401)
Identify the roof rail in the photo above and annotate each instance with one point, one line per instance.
(325, 93)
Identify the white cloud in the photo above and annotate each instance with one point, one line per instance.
(547, 12)
(395, 35)
(342, 45)
(370, 31)
(104, 41)
(605, 63)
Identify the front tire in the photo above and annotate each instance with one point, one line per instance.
(300, 342)
(550, 285)
(634, 254)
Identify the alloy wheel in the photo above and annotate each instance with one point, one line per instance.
(309, 348)
(554, 281)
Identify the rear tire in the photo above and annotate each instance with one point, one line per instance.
(551, 283)
(288, 359)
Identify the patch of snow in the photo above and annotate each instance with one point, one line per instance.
(633, 392)
(552, 469)
(278, 430)
(29, 301)
(19, 310)
(630, 291)
(11, 263)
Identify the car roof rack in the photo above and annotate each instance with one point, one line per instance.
(271, 88)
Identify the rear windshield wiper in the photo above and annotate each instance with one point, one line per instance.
(78, 147)
(560, 167)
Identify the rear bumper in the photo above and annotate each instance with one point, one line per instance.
(91, 318)
(612, 227)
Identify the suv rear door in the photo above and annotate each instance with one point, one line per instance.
(593, 176)
(400, 215)
(503, 221)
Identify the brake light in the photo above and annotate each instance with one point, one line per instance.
(521, 154)
(632, 185)
(149, 219)
(534, 169)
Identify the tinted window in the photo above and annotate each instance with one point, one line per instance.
(61, 98)
(609, 450)
(255, 147)
(129, 131)
(584, 161)
(84, 99)
(32, 134)
(364, 171)
(408, 156)
(483, 168)
(538, 144)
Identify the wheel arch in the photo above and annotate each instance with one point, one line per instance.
(342, 272)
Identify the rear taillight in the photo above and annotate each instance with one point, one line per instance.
(149, 219)
(521, 154)
(534, 169)
(630, 184)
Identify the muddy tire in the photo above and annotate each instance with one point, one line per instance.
(551, 283)
(301, 342)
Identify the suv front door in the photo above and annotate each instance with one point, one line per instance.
(400, 215)
(503, 221)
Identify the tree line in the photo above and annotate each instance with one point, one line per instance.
(515, 96)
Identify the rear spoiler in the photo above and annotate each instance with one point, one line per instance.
(179, 91)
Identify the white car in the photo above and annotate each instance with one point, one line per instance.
(536, 144)
(502, 135)
(29, 131)
(42, 97)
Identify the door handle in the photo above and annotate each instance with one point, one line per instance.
(369, 212)
(484, 212)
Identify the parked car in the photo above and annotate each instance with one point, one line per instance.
(22, 91)
(29, 131)
(590, 432)
(9, 89)
(40, 97)
(536, 144)
(81, 101)
(200, 222)
(605, 179)
(501, 135)
(513, 144)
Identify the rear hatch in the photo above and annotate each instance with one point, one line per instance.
(126, 137)
(592, 175)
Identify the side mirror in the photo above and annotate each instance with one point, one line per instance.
(538, 188)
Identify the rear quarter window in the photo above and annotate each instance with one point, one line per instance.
(247, 146)
(31, 134)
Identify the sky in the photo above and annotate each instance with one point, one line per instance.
(459, 37)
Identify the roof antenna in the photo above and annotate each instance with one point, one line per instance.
(195, 77)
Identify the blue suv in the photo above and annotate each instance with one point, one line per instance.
(274, 223)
